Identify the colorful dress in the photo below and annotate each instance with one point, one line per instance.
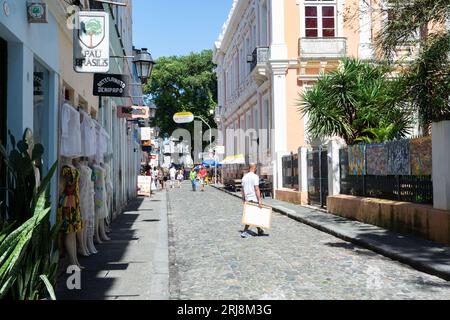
(100, 193)
(69, 213)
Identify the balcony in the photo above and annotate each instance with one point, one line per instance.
(258, 60)
(322, 48)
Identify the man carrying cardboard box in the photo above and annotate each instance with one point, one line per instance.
(251, 193)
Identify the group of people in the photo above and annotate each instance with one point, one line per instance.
(200, 177)
(165, 178)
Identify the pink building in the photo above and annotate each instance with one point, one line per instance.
(268, 53)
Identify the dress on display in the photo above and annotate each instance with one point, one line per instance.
(102, 144)
(88, 136)
(109, 185)
(101, 211)
(70, 132)
(69, 214)
(87, 195)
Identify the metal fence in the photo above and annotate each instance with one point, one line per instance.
(317, 163)
(417, 189)
(290, 171)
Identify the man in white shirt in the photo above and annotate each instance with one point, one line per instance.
(173, 176)
(251, 193)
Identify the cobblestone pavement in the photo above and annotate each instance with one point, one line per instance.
(209, 259)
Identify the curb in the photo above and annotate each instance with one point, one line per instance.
(420, 266)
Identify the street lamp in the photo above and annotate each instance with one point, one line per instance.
(144, 64)
(152, 109)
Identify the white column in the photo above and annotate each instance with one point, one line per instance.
(303, 169)
(365, 30)
(279, 107)
(441, 165)
(278, 48)
(334, 172)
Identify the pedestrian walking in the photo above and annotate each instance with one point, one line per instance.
(202, 175)
(180, 177)
(155, 179)
(251, 193)
(173, 177)
(193, 177)
(161, 177)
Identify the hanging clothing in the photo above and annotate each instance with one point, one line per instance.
(87, 194)
(102, 143)
(101, 211)
(69, 213)
(70, 132)
(88, 136)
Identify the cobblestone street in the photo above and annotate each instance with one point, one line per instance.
(209, 259)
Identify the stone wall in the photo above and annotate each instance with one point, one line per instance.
(403, 217)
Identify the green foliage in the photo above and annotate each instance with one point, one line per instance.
(183, 83)
(426, 84)
(410, 18)
(28, 252)
(378, 135)
(356, 97)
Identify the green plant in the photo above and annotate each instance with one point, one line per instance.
(352, 99)
(378, 135)
(29, 251)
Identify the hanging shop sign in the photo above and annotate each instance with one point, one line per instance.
(91, 42)
(110, 85)
(37, 12)
(183, 117)
(146, 134)
(133, 112)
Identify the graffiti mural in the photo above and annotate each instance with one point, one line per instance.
(376, 159)
(421, 156)
(356, 155)
(398, 158)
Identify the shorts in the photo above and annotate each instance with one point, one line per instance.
(202, 181)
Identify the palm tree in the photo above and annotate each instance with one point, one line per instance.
(356, 97)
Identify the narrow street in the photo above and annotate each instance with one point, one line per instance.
(209, 259)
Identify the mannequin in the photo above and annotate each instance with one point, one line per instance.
(109, 192)
(93, 225)
(100, 204)
(69, 209)
(85, 180)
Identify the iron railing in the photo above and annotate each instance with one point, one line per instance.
(260, 56)
(290, 171)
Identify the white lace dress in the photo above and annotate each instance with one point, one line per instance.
(70, 132)
(88, 136)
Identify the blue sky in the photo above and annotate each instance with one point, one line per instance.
(177, 27)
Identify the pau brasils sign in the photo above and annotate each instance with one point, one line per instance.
(91, 42)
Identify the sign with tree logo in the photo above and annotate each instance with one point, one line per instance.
(91, 42)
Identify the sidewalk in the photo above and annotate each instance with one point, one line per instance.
(421, 254)
(134, 264)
